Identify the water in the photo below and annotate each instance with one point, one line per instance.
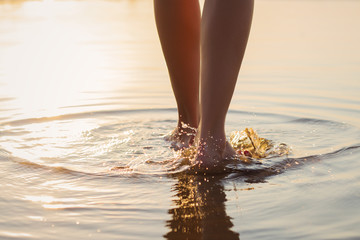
(85, 102)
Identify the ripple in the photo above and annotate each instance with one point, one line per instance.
(131, 142)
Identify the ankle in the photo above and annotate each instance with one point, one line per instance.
(213, 134)
(188, 121)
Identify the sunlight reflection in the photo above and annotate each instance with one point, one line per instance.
(15, 235)
(63, 206)
(49, 199)
(200, 210)
(49, 63)
(49, 141)
(70, 185)
(50, 202)
(37, 218)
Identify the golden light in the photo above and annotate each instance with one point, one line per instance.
(50, 63)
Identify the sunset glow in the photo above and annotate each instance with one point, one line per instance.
(52, 59)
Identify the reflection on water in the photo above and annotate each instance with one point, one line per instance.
(67, 178)
(199, 211)
(118, 165)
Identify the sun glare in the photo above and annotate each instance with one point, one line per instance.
(49, 64)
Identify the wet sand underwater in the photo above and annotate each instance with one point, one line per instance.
(85, 103)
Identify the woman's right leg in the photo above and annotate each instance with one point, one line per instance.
(178, 24)
(224, 33)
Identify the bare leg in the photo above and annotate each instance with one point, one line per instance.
(178, 24)
(225, 29)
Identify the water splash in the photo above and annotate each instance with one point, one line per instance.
(248, 145)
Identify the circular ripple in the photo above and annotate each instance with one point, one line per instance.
(132, 142)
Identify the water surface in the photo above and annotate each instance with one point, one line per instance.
(85, 102)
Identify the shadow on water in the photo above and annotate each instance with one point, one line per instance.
(199, 211)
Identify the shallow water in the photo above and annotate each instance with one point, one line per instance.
(85, 102)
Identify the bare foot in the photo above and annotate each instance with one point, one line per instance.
(213, 154)
(181, 137)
